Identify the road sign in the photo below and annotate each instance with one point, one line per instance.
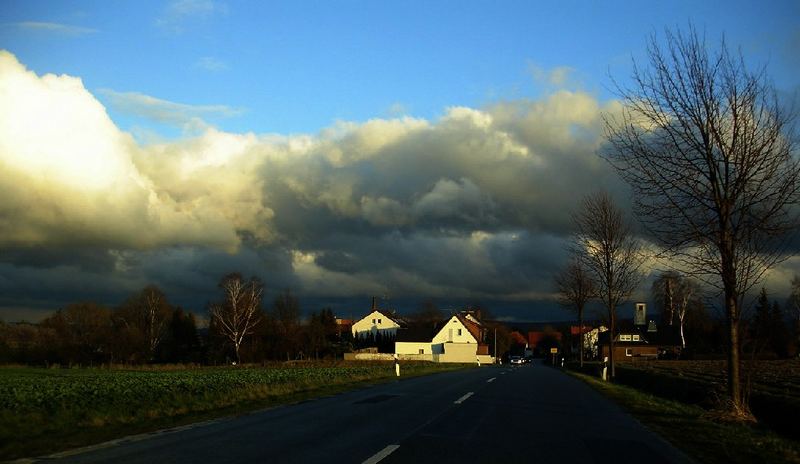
(553, 350)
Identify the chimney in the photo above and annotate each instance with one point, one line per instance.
(374, 304)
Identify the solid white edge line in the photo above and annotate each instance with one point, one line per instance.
(381, 454)
(491, 380)
(463, 398)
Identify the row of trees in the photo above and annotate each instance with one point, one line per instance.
(709, 153)
(146, 328)
(143, 329)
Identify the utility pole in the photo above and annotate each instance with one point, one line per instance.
(495, 345)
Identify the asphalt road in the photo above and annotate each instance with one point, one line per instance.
(487, 415)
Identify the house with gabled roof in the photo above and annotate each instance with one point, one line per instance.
(637, 342)
(377, 322)
(459, 339)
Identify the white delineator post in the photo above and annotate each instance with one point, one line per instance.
(396, 365)
(605, 368)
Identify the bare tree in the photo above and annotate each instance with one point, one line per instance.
(663, 291)
(793, 308)
(608, 249)
(240, 312)
(428, 314)
(708, 151)
(575, 289)
(147, 315)
(677, 294)
(688, 296)
(286, 315)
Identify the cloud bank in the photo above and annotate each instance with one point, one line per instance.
(474, 205)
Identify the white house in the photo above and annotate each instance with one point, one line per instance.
(376, 322)
(459, 339)
(456, 331)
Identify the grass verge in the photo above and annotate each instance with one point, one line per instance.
(43, 411)
(691, 429)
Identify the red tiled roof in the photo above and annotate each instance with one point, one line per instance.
(575, 330)
(471, 326)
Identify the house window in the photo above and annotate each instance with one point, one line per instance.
(459, 332)
(379, 321)
(628, 351)
(624, 338)
(636, 338)
(373, 321)
(422, 351)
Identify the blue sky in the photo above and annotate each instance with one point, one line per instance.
(288, 67)
(414, 150)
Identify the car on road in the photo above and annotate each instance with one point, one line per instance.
(517, 360)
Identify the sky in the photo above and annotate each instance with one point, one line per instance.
(407, 150)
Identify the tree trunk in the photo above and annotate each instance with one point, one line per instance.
(683, 338)
(734, 384)
(580, 336)
(670, 308)
(612, 317)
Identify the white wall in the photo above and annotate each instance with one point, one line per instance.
(374, 322)
(450, 333)
(414, 347)
(459, 352)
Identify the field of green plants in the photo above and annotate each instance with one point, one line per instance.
(72, 407)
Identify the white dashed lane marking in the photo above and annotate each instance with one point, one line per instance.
(377, 457)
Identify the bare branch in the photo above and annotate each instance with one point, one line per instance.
(710, 156)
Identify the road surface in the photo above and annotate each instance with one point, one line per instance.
(531, 413)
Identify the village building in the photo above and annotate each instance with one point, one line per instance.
(377, 322)
(641, 339)
(459, 339)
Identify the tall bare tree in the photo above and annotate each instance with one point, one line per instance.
(677, 294)
(147, 314)
(663, 291)
(709, 152)
(793, 308)
(286, 316)
(688, 296)
(575, 289)
(607, 247)
(240, 311)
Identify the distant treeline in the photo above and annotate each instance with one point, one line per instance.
(147, 329)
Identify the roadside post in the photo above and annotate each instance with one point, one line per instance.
(479, 361)
(605, 368)
(495, 346)
(397, 365)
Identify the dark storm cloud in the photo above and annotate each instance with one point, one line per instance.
(474, 206)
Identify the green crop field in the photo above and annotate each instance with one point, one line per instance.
(44, 410)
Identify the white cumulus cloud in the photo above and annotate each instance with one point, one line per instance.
(457, 206)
